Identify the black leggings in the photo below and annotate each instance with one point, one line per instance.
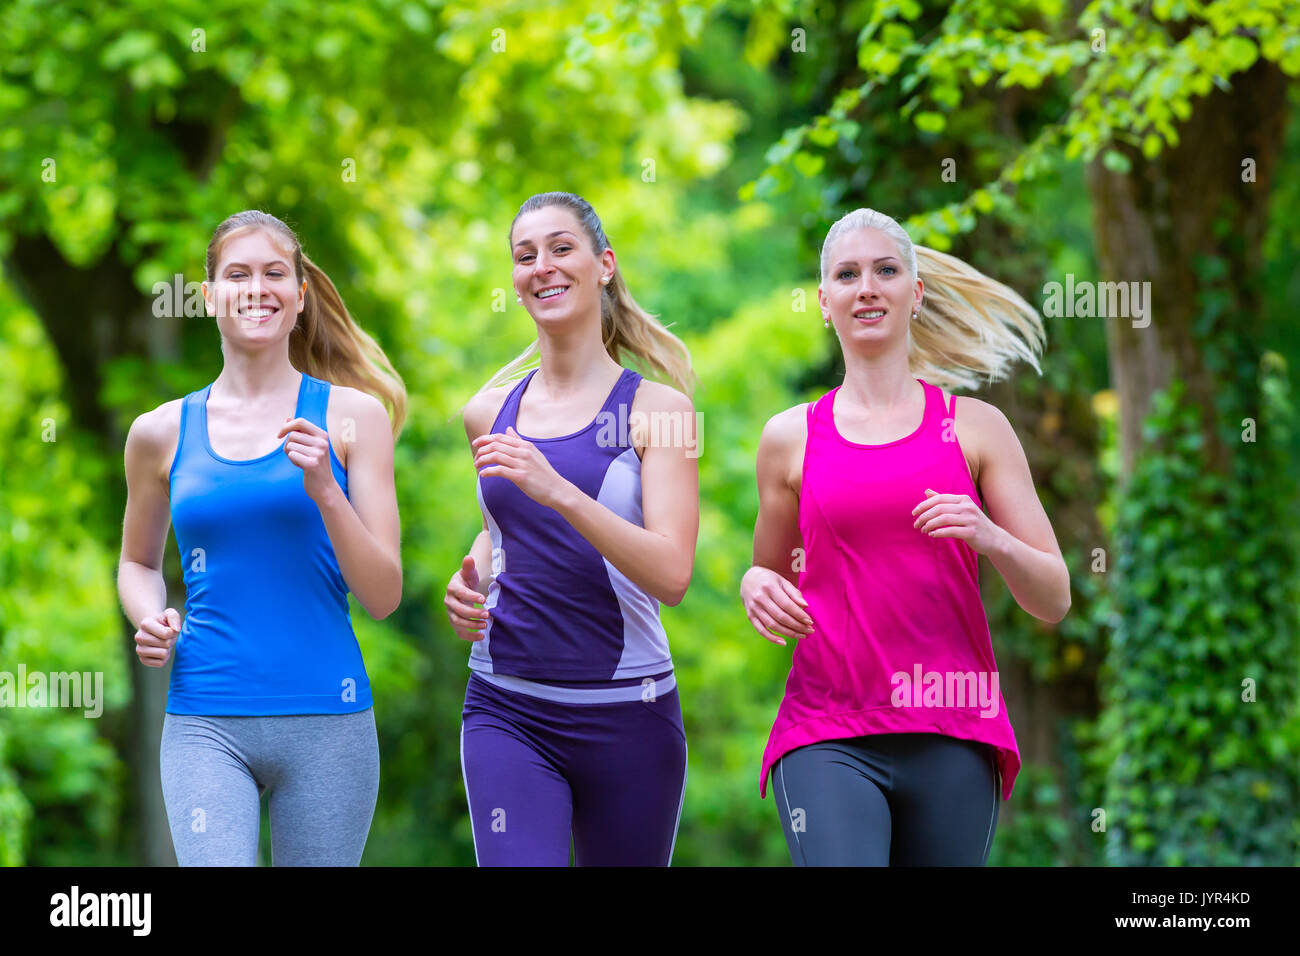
(889, 800)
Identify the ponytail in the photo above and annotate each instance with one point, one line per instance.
(626, 328)
(326, 343)
(970, 329)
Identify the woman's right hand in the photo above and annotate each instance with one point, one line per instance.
(156, 636)
(773, 604)
(466, 620)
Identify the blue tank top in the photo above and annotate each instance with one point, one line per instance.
(559, 610)
(267, 630)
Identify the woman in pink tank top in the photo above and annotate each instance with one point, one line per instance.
(892, 744)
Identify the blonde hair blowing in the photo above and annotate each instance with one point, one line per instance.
(625, 327)
(325, 342)
(970, 329)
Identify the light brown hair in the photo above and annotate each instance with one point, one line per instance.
(326, 342)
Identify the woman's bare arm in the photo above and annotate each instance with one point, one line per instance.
(769, 589)
(140, 584)
(363, 527)
(1025, 551)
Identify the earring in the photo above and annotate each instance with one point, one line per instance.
(826, 322)
(604, 280)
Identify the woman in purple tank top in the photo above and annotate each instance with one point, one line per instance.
(892, 744)
(588, 486)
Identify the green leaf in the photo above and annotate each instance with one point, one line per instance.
(1238, 52)
(1116, 162)
(847, 129)
(823, 136)
(880, 60)
(808, 164)
(930, 122)
(946, 94)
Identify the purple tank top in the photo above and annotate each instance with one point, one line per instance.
(901, 642)
(560, 611)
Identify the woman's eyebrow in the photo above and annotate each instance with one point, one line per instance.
(558, 232)
(244, 265)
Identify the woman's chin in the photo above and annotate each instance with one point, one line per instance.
(874, 338)
(557, 320)
(255, 337)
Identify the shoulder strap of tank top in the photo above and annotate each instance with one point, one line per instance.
(823, 407)
(819, 408)
(315, 401)
(932, 417)
(509, 413)
(623, 392)
(811, 420)
(817, 411)
(945, 427)
(192, 423)
(947, 414)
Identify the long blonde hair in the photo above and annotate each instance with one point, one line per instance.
(325, 343)
(625, 327)
(970, 329)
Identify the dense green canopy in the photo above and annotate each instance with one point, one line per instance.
(717, 142)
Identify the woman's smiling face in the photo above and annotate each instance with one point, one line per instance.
(254, 294)
(556, 273)
(867, 292)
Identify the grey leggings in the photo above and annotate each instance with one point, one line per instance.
(889, 800)
(322, 771)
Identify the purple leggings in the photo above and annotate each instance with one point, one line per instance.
(611, 775)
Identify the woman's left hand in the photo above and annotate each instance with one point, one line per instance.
(510, 456)
(956, 516)
(308, 447)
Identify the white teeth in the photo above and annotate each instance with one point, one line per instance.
(551, 292)
(874, 314)
(258, 313)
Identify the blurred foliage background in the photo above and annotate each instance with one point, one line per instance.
(718, 141)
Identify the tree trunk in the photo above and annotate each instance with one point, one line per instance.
(1156, 222)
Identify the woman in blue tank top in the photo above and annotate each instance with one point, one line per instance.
(589, 490)
(280, 488)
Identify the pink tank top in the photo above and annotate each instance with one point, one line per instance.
(900, 642)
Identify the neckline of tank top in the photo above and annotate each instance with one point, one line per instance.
(930, 396)
(207, 442)
(588, 427)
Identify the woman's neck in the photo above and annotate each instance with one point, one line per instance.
(878, 382)
(254, 375)
(573, 360)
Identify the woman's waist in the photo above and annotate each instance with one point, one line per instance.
(879, 609)
(258, 630)
(614, 690)
(985, 718)
(274, 587)
(898, 678)
(866, 656)
(907, 562)
(537, 604)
